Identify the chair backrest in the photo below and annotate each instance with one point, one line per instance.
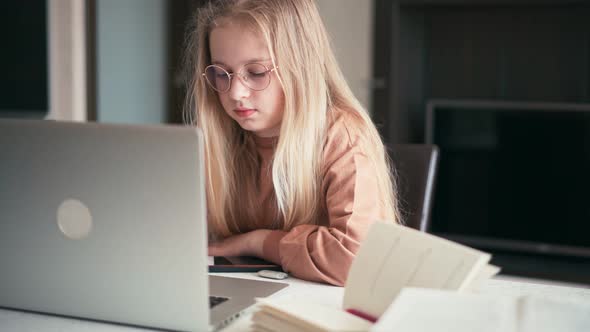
(415, 172)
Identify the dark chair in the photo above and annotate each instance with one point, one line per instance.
(415, 172)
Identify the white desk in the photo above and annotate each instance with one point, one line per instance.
(16, 321)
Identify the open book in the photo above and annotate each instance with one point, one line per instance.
(391, 258)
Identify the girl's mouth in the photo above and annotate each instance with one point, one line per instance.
(244, 112)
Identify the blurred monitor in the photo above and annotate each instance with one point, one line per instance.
(512, 176)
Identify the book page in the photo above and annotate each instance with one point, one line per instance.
(395, 256)
(307, 316)
(552, 315)
(263, 321)
(485, 273)
(426, 310)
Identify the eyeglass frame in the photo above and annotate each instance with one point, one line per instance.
(239, 75)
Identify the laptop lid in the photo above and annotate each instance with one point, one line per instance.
(105, 222)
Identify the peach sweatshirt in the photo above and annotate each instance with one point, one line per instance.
(325, 252)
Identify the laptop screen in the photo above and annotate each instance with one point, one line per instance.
(513, 175)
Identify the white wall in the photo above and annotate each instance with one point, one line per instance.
(131, 61)
(349, 23)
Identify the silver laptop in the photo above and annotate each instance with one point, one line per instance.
(107, 222)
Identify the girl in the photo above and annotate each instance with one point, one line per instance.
(296, 170)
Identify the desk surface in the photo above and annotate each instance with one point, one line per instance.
(318, 293)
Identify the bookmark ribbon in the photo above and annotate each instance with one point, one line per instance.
(362, 315)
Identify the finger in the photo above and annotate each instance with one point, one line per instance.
(214, 251)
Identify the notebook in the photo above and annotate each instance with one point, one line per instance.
(107, 222)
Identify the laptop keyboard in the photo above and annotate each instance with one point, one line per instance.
(215, 300)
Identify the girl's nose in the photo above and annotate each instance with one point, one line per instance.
(238, 90)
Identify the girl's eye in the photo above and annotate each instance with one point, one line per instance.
(219, 72)
(255, 71)
(256, 74)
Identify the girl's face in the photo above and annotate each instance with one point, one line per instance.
(261, 112)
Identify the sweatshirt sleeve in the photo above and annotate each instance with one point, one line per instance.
(325, 252)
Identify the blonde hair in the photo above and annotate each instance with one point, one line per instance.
(314, 89)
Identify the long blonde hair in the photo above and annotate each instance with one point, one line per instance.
(315, 90)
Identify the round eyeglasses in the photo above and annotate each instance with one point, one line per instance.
(255, 76)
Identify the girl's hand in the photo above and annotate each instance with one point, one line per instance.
(247, 244)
